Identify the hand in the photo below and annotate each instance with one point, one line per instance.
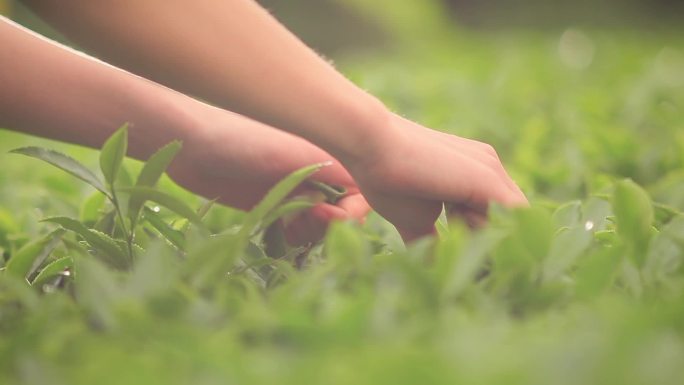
(237, 160)
(415, 170)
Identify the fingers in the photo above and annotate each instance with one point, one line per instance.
(355, 206)
(474, 217)
(413, 217)
(487, 155)
(310, 226)
(478, 151)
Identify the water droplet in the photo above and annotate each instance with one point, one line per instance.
(156, 209)
(589, 225)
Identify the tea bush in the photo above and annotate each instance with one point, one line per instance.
(118, 276)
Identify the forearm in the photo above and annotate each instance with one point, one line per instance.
(231, 53)
(51, 91)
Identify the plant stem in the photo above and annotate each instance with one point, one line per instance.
(128, 234)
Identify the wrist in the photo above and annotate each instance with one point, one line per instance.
(363, 133)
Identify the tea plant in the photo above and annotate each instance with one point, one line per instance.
(143, 283)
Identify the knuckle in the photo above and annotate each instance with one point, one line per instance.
(490, 150)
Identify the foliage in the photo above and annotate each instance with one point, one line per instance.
(134, 281)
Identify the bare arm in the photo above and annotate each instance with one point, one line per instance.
(235, 55)
(231, 53)
(53, 92)
(50, 91)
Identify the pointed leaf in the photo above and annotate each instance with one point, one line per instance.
(169, 201)
(112, 154)
(91, 208)
(156, 165)
(153, 169)
(285, 209)
(211, 259)
(97, 290)
(470, 261)
(65, 163)
(345, 244)
(54, 268)
(108, 247)
(279, 192)
(29, 257)
(566, 248)
(174, 236)
(568, 214)
(634, 216)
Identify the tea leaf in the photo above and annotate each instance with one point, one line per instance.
(157, 164)
(634, 216)
(286, 209)
(113, 153)
(172, 203)
(29, 257)
(345, 245)
(470, 261)
(151, 172)
(211, 259)
(64, 163)
(91, 207)
(174, 236)
(274, 196)
(52, 269)
(108, 247)
(97, 291)
(566, 248)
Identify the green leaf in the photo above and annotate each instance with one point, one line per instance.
(535, 230)
(98, 291)
(448, 249)
(282, 270)
(470, 262)
(172, 203)
(91, 208)
(345, 244)
(64, 163)
(566, 248)
(154, 273)
(157, 164)
(666, 252)
(568, 214)
(113, 153)
(151, 172)
(109, 250)
(214, 258)
(124, 178)
(211, 258)
(287, 208)
(31, 255)
(53, 269)
(174, 236)
(279, 192)
(634, 216)
(664, 213)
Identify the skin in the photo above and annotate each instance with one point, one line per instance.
(225, 155)
(233, 54)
